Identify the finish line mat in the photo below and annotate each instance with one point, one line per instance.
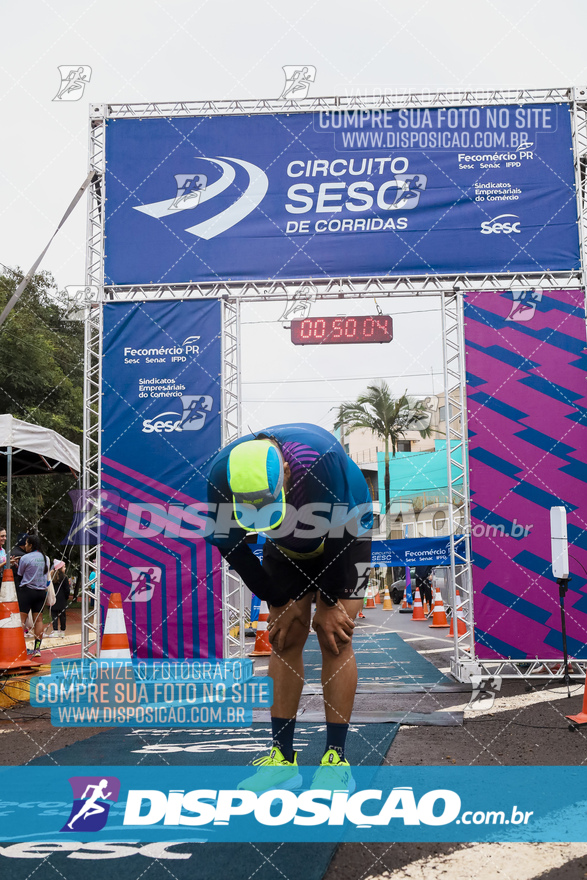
(237, 746)
(384, 660)
(160, 861)
(367, 744)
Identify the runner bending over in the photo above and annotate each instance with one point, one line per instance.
(295, 484)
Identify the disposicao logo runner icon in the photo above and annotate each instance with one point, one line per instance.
(74, 79)
(524, 303)
(92, 798)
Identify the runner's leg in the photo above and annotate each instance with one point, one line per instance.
(339, 673)
(286, 667)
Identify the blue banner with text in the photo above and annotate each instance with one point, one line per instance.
(206, 804)
(347, 193)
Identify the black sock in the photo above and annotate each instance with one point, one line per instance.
(37, 646)
(336, 737)
(283, 734)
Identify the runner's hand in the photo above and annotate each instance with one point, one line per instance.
(280, 620)
(334, 625)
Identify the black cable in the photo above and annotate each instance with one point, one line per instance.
(28, 717)
(540, 726)
(580, 563)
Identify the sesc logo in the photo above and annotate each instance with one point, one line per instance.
(161, 425)
(195, 411)
(500, 224)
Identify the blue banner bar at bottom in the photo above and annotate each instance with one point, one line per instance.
(205, 803)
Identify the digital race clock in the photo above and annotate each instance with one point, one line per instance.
(330, 331)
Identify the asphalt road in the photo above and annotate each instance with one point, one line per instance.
(524, 726)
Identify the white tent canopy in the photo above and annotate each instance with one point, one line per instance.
(35, 450)
(27, 449)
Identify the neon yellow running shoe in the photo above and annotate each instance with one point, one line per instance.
(333, 774)
(274, 772)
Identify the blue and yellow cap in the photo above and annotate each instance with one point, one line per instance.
(255, 477)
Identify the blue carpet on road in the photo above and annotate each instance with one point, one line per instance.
(176, 861)
(367, 744)
(381, 657)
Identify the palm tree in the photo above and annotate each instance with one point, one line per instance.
(389, 418)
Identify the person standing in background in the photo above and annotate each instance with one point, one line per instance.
(33, 568)
(2, 550)
(61, 586)
(15, 554)
(424, 583)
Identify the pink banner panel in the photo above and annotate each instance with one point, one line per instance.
(527, 420)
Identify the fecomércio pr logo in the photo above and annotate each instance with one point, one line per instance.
(92, 798)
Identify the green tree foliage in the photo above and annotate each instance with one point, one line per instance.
(389, 418)
(41, 381)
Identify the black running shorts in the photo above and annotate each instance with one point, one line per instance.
(344, 578)
(30, 599)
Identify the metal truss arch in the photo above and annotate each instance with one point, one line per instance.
(450, 288)
(92, 418)
(386, 99)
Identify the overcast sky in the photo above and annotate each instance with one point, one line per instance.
(177, 49)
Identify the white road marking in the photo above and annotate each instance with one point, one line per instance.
(431, 638)
(514, 701)
(492, 861)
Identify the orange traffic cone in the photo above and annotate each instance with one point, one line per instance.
(114, 638)
(387, 603)
(438, 614)
(461, 625)
(262, 644)
(377, 596)
(581, 718)
(370, 599)
(405, 607)
(13, 654)
(418, 612)
(360, 614)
